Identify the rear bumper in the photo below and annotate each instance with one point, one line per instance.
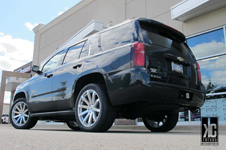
(141, 90)
(160, 93)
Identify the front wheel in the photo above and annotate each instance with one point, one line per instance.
(93, 111)
(162, 123)
(20, 115)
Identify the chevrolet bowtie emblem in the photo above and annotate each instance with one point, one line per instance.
(180, 59)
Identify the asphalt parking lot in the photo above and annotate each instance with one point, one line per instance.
(60, 137)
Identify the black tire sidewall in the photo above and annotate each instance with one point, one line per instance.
(72, 126)
(30, 122)
(170, 123)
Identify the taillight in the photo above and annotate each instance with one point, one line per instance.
(199, 72)
(138, 55)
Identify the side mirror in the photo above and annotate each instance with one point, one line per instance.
(36, 69)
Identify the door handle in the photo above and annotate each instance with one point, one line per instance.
(48, 75)
(77, 66)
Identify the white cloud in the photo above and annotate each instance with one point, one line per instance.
(206, 49)
(30, 26)
(219, 78)
(14, 52)
(60, 13)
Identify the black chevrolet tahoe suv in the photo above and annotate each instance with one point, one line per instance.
(140, 68)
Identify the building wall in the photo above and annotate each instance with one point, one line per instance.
(6, 108)
(54, 34)
(205, 22)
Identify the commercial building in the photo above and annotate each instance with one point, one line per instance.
(9, 81)
(202, 21)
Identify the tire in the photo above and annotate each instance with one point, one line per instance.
(163, 124)
(73, 125)
(93, 111)
(20, 115)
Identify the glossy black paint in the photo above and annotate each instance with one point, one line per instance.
(129, 88)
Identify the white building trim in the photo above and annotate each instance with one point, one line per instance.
(188, 9)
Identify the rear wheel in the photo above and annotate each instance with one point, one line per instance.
(73, 125)
(163, 123)
(20, 115)
(93, 110)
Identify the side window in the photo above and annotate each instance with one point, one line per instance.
(54, 62)
(118, 36)
(85, 50)
(95, 46)
(73, 52)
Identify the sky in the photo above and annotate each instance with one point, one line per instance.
(17, 19)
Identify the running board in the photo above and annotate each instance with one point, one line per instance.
(54, 113)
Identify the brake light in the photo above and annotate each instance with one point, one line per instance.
(138, 55)
(199, 72)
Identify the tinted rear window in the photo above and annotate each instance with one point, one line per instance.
(161, 37)
(118, 36)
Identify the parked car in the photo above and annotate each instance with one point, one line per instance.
(5, 118)
(139, 68)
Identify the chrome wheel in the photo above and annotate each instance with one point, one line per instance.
(20, 114)
(157, 124)
(89, 108)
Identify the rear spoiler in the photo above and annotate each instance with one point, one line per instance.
(171, 32)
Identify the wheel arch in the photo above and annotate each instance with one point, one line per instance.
(19, 95)
(87, 79)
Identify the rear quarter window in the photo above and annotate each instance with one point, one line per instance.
(118, 36)
(95, 46)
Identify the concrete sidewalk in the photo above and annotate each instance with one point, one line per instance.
(178, 128)
(142, 128)
(190, 128)
(58, 137)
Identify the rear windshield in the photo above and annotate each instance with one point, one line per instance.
(162, 37)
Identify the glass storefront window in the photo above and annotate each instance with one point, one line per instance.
(184, 116)
(213, 72)
(196, 116)
(215, 108)
(208, 44)
(210, 50)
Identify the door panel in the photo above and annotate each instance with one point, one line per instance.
(41, 86)
(63, 85)
(41, 94)
(65, 76)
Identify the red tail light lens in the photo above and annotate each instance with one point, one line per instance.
(199, 72)
(138, 55)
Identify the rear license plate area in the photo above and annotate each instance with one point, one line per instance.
(177, 67)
